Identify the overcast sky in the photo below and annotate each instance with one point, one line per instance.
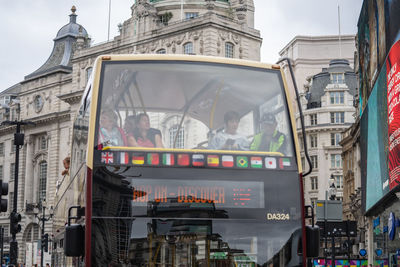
(28, 27)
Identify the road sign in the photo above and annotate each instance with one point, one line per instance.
(333, 209)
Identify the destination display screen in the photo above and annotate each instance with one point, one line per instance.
(175, 194)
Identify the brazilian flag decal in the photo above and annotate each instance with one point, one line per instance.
(242, 162)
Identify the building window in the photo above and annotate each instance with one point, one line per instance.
(229, 50)
(33, 233)
(42, 180)
(335, 139)
(314, 161)
(134, 28)
(188, 48)
(338, 181)
(337, 117)
(336, 161)
(12, 147)
(5, 100)
(14, 115)
(164, 18)
(337, 97)
(1, 149)
(11, 202)
(42, 142)
(313, 119)
(6, 229)
(314, 183)
(337, 78)
(161, 51)
(88, 73)
(191, 15)
(313, 140)
(303, 163)
(12, 171)
(180, 139)
(1, 172)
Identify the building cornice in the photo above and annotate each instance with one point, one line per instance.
(46, 86)
(326, 127)
(38, 121)
(299, 38)
(71, 98)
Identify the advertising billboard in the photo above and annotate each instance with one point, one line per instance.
(379, 76)
(393, 99)
(373, 143)
(378, 30)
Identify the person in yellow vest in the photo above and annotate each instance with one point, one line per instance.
(269, 139)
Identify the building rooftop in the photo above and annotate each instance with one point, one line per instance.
(322, 79)
(60, 57)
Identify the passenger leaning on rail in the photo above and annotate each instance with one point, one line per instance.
(269, 139)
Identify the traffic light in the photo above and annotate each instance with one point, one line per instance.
(15, 226)
(4, 192)
(45, 242)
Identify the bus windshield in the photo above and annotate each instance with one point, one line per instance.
(193, 165)
(193, 105)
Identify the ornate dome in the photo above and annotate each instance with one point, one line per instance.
(64, 45)
(72, 28)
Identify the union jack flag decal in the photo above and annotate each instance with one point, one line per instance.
(107, 157)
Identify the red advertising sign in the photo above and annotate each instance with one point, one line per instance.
(393, 100)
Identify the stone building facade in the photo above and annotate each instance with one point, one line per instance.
(49, 96)
(328, 108)
(310, 55)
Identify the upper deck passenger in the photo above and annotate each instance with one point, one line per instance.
(269, 139)
(144, 135)
(229, 138)
(110, 134)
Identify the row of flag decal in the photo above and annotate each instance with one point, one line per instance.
(194, 160)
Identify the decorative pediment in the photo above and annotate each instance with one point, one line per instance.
(39, 156)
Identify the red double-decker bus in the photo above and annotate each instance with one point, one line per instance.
(182, 161)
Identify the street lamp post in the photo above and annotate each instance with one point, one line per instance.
(14, 216)
(44, 237)
(332, 196)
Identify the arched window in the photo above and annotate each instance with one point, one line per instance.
(161, 51)
(188, 48)
(180, 139)
(31, 232)
(229, 50)
(88, 73)
(42, 180)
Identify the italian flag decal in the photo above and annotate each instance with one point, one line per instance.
(124, 158)
(168, 159)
